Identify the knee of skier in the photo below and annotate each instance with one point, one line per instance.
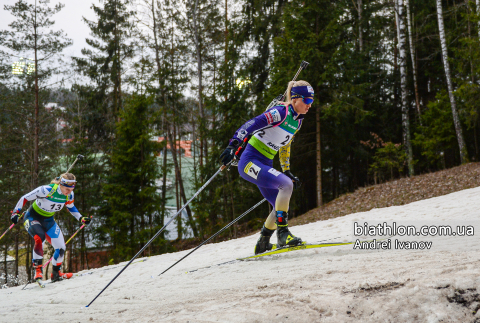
(38, 240)
(58, 254)
(286, 186)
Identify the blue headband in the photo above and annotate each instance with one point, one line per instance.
(299, 91)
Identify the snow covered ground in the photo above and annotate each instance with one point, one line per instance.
(336, 284)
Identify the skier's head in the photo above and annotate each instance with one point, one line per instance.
(67, 183)
(300, 96)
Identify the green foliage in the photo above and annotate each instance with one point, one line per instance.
(388, 161)
(436, 137)
(131, 200)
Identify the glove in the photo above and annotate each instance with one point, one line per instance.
(296, 181)
(14, 217)
(229, 153)
(86, 220)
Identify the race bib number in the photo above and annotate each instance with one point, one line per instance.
(252, 170)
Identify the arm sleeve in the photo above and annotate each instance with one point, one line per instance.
(284, 156)
(72, 208)
(41, 191)
(284, 153)
(269, 118)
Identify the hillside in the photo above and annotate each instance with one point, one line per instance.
(399, 192)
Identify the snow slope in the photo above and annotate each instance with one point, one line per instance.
(336, 284)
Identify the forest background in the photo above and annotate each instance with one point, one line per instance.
(396, 89)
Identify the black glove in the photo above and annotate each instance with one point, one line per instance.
(296, 181)
(229, 152)
(14, 217)
(86, 220)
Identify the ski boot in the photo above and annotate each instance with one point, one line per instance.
(263, 243)
(57, 275)
(284, 236)
(37, 264)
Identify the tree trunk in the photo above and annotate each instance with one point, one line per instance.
(16, 253)
(200, 76)
(360, 31)
(28, 265)
(477, 3)
(37, 108)
(456, 119)
(403, 84)
(232, 200)
(165, 130)
(414, 62)
(5, 263)
(319, 161)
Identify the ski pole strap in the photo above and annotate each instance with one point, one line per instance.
(216, 234)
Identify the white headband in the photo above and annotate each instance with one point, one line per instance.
(64, 180)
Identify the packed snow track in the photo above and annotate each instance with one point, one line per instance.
(335, 284)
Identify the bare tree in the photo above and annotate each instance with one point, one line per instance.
(412, 55)
(196, 39)
(456, 119)
(360, 31)
(477, 3)
(403, 81)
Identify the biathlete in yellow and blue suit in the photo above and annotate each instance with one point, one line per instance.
(40, 224)
(273, 132)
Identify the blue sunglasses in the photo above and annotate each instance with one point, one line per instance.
(305, 100)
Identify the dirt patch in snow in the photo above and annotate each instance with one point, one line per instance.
(369, 290)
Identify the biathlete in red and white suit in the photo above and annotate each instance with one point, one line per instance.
(272, 132)
(40, 224)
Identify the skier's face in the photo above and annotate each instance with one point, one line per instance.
(300, 107)
(66, 190)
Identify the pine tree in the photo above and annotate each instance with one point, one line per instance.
(31, 34)
(130, 193)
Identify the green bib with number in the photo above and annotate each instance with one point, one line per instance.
(53, 202)
(270, 140)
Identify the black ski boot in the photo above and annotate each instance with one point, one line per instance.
(263, 243)
(57, 275)
(284, 236)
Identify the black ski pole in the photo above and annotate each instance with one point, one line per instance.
(216, 234)
(158, 233)
(79, 157)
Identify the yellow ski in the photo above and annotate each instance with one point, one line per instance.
(299, 247)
